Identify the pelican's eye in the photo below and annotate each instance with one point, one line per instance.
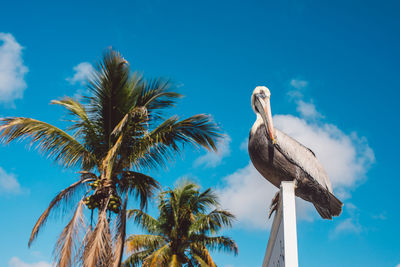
(263, 95)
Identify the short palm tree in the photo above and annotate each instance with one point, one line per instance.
(183, 234)
(115, 134)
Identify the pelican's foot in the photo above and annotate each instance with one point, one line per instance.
(274, 204)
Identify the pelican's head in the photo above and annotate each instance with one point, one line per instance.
(260, 102)
(262, 93)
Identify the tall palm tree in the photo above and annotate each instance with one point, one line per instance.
(183, 233)
(115, 134)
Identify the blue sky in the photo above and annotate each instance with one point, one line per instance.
(332, 68)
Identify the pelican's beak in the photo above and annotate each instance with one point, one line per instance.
(270, 124)
(264, 108)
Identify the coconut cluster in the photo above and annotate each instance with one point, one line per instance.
(95, 184)
(91, 202)
(115, 204)
(94, 201)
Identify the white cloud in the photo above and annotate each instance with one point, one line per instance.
(298, 84)
(8, 183)
(16, 262)
(12, 69)
(82, 72)
(247, 195)
(347, 226)
(381, 216)
(350, 225)
(212, 159)
(307, 110)
(398, 265)
(346, 158)
(244, 144)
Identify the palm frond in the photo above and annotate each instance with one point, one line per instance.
(212, 221)
(199, 260)
(202, 255)
(88, 175)
(133, 117)
(158, 258)
(142, 186)
(66, 246)
(158, 146)
(120, 235)
(79, 257)
(216, 243)
(136, 258)
(111, 91)
(137, 243)
(146, 221)
(155, 95)
(64, 195)
(83, 125)
(145, 154)
(98, 249)
(205, 200)
(196, 130)
(51, 141)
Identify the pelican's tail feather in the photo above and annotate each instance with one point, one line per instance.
(324, 212)
(335, 205)
(334, 208)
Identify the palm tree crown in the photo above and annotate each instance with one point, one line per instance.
(183, 233)
(115, 134)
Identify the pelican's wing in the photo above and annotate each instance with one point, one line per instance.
(303, 157)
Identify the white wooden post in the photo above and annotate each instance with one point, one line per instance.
(282, 244)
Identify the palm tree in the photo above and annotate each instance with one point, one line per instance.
(115, 134)
(183, 233)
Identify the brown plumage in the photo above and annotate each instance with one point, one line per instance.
(278, 157)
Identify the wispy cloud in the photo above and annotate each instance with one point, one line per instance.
(381, 216)
(12, 69)
(307, 109)
(247, 195)
(244, 144)
(16, 262)
(350, 225)
(212, 159)
(346, 158)
(82, 72)
(8, 183)
(298, 83)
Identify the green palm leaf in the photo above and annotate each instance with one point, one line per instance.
(51, 141)
(137, 243)
(180, 235)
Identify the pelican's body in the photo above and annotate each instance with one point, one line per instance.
(278, 157)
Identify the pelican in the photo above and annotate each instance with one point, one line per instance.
(278, 157)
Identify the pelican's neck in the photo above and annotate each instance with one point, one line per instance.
(259, 121)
